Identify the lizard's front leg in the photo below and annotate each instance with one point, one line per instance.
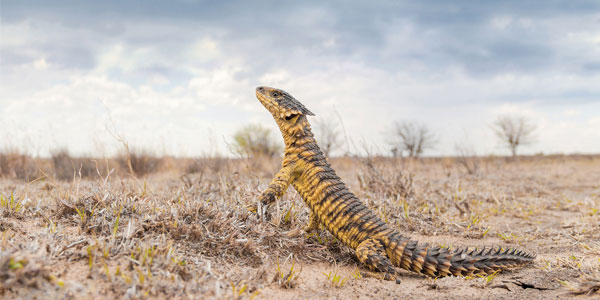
(276, 189)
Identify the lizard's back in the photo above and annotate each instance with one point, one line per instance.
(337, 208)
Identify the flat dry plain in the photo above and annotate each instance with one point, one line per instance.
(188, 235)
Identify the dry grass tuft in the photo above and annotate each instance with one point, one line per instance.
(67, 167)
(20, 272)
(588, 285)
(14, 164)
(389, 181)
(215, 165)
(141, 162)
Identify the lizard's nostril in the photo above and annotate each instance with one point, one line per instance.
(260, 88)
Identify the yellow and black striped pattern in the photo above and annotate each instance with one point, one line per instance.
(377, 245)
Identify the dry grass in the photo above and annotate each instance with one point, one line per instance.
(140, 162)
(212, 165)
(67, 167)
(14, 164)
(63, 166)
(185, 232)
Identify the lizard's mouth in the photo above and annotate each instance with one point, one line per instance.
(261, 93)
(262, 96)
(262, 90)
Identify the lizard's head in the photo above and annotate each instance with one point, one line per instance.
(281, 104)
(288, 112)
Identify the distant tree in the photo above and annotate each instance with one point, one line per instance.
(411, 137)
(328, 135)
(255, 140)
(514, 131)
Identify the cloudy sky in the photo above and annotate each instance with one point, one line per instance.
(178, 77)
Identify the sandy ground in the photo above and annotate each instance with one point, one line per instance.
(191, 237)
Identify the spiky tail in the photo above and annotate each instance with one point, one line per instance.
(439, 262)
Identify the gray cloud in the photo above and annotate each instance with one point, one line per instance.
(452, 33)
(437, 34)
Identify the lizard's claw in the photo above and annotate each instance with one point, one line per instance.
(261, 205)
(311, 228)
(253, 208)
(261, 210)
(258, 208)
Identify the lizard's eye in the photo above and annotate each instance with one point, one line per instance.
(275, 94)
(290, 117)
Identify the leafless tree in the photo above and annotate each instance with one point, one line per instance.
(514, 131)
(411, 137)
(328, 135)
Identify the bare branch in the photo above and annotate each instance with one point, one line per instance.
(412, 137)
(514, 131)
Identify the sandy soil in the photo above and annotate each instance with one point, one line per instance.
(191, 237)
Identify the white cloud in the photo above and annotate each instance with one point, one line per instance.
(501, 22)
(40, 64)
(203, 50)
(571, 112)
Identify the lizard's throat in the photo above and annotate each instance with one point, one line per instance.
(294, 133)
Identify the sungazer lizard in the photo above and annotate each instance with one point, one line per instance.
(380, 247)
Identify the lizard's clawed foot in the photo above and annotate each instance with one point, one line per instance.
(310, 229)
(261, 205)
(253, 207)
(381, 275)
(259, 209)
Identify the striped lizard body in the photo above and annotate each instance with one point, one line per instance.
(377, 245)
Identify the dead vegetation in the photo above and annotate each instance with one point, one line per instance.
(15, 164)
(140, 162)
(63, 166)
(67, 167)
(185, 232)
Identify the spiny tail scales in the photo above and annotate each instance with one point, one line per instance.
(439, 262)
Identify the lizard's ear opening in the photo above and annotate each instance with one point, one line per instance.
(292, 118)
(287, 118)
